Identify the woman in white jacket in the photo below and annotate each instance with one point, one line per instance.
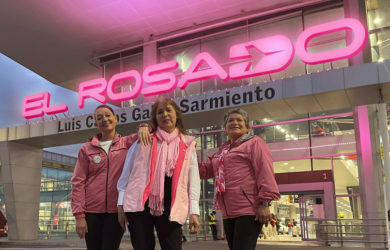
(160, 183)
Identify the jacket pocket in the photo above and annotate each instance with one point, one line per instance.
(246, 196)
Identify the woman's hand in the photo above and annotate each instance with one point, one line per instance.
(194, 224)
(144, 135)
(81, 227)
(122, 218)
(263, 214)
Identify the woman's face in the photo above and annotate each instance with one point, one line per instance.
(166, 117)
(235, 126)
(105, 120)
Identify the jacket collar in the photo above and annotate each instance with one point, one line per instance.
(242, 139)
(95, 139)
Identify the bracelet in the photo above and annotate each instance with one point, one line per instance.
(265, 203)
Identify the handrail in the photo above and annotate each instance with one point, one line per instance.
(343, 231)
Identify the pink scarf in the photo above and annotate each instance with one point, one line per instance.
(220, 176)
(165, 163)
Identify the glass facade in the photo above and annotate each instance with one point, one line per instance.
(304, 143)
(378, 23)
(55, 213)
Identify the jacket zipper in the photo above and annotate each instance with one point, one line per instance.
(108, 171)
(246, 196)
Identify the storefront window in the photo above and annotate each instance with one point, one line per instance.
(292, 166)
(348, 207)
(346, 175)
(379, 28)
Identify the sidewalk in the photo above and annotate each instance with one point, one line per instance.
(76, 244)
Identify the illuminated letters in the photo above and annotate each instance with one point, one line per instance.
(357, 44)
(92, 89)
(278, 53)
(124, 96)
(162, 82)
(194, 74)
(32, 106)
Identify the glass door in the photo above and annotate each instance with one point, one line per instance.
(311, 209)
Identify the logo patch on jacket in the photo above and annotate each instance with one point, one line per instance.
(97, 159)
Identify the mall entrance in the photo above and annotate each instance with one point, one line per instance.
(296, 217)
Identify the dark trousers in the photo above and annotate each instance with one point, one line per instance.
(214, 231)
(142, 224)
(242, 232)
(104, 231)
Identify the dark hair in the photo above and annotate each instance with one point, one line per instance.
(239, 111)
(179, 116)
(104, 106)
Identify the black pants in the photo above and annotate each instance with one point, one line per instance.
(214, 231)
(142, 224)
(104, 231)
(242, 232)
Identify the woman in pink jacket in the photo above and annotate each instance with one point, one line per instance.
(160, 184)
(94, 195)
(244, 182)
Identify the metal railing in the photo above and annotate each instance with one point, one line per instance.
(346, 231)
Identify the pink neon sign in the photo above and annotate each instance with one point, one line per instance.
(357, 44)
(33, 106)
(278, 53)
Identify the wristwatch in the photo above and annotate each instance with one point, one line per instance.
(265, 203)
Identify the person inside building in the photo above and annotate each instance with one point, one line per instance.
(244, 181)
(213, 224)
(94, 195)
(160, 183)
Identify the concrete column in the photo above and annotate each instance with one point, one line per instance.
(21, 178)
(357, 9)
(371, 178)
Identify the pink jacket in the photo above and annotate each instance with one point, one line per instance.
(249, 176)
(135, 183)
(96, 175)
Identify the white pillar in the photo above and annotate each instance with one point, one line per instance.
(370, 171)
(21, 179)
(384, 134)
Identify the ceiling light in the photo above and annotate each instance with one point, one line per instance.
(277, 127)
(377, 20)
(380, 59)
(286, 163)
(292, 167)
(379, 42)
(282, 130)
(342, 157)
